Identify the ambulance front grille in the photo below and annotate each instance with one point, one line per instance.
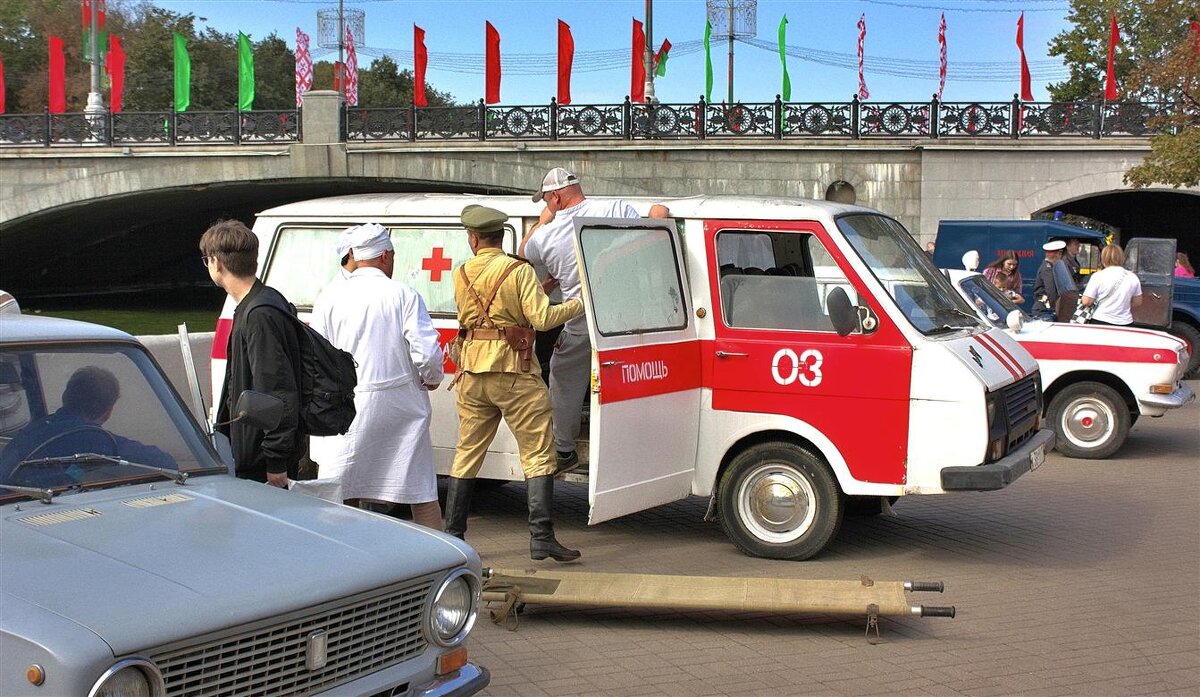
(364, 634)
(1022, 404)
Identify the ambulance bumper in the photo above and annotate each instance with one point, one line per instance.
(1001, 473)
(1182, 395)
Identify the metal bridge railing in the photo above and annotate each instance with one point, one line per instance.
(701, 120)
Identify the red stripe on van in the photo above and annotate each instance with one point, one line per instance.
(1010, 361)
(1044, 351)
(988, 347)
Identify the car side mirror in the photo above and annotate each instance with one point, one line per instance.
(1014, 321)
(842, 313)
(258, 409)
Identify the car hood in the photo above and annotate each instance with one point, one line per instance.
(143, 566)
(1095, 342)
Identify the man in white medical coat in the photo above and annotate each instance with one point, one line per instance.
(387, 455)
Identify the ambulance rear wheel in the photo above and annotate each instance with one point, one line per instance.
(779, 501)
(1090, 420)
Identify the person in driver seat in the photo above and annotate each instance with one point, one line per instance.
(77, 427)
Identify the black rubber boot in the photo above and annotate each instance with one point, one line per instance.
(541, 528)
(458, 504)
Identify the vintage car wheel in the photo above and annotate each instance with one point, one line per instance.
(778, 500)
(1090, 420)
(1191, 336)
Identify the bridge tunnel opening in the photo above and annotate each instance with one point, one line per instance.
(1142, 213)
(139, 252)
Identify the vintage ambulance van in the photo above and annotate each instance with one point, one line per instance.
(789, 359)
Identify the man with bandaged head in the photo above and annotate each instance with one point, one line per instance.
(387, 455)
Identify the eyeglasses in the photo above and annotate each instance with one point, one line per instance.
(204, 260)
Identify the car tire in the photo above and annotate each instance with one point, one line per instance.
(1190, 336)
(779, 501)
(1090, 420)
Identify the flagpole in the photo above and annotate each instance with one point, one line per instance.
(341, 43)
(649, 52)
(95, 100)
(730, 27)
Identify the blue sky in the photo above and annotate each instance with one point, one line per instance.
(901, 37)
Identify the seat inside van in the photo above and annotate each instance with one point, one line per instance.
(773, 302)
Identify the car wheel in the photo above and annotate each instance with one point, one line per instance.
(1090, 420)
(779, 501)
(1190, 336)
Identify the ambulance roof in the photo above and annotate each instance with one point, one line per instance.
(387, 205)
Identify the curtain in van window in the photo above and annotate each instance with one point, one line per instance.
(302, 263)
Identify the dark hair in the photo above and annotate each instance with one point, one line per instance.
(91, 391)
(998, 264)
(1181, 258)
(492, 236)
(234, 245)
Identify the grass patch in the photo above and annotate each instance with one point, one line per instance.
(139, 322)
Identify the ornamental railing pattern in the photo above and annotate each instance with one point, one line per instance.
(151, 128)
(701, 120)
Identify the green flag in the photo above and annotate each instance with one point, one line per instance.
(707, 61)
(245, 74)
(183, 74)
(787, 81)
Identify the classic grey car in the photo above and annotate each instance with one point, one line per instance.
(133, 564)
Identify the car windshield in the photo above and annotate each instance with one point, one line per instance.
(67, 412)
(989, 301)
(921, 292)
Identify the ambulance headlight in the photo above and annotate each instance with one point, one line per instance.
(130, 678)
(453, 608)
(996, 428)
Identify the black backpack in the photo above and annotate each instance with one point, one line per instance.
(327, 381)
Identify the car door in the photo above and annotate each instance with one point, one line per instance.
(1153, 260)
(646, 377)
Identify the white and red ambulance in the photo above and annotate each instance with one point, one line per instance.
(1098, 379)
(786, 358)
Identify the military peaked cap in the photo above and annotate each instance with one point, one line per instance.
(482, 219)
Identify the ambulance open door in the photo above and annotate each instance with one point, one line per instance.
(646, 376)
(1153, 260)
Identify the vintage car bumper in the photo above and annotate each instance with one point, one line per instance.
(1151, 403)
(999, 474)
(396, 680)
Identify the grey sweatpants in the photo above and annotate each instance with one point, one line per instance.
(570, 376)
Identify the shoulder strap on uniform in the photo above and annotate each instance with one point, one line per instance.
(486, 305)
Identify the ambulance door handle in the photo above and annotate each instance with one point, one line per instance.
(731, 354)
(609, 364)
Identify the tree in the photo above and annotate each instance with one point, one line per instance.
(1175, 155)
(382, 84)
(1149, 31)
(25, 30)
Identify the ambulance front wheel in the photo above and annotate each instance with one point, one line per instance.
(1090, 420)
(779, 501)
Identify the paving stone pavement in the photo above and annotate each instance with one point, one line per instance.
(1082, 578)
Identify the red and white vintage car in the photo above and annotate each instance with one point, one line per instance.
(1097, 379)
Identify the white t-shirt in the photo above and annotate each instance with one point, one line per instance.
(1113, 288)
(552, 246)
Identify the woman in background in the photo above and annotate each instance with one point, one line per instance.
(1183, 267)
(1114, 290)
(1005, 275)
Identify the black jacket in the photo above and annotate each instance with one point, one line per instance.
(263, 355)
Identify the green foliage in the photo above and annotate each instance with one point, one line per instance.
(1149, 30)
(1174, 160)
(146, 30)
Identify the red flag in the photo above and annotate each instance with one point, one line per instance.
(1110, 77)
(351, 70)
(663, 50)
(566, 55)
(637, 72)
(863, 92)
(1195, 38)
(942, 47)
(420, 61)
(1026, 86)
(114, 63)
(339, 70)
(492, 88)
(1, 84)
(58, 77)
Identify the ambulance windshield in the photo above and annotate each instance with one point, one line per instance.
(921, 292)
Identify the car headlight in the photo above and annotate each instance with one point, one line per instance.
(132, 677)
(454, 607)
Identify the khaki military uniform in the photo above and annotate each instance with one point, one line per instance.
(491, 383)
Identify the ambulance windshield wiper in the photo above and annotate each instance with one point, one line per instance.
(179, 477)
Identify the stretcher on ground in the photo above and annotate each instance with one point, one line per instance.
(866, 597)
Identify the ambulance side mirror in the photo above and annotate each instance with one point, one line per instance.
(842, 313)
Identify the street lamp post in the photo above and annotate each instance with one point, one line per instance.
(95, 100)
(648, 58)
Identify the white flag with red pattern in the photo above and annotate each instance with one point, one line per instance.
(304, 67)
(351, 70)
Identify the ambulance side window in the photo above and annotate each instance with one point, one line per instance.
(776, 280)
(635, 284)
(302, 263)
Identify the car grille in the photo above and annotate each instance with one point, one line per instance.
(1022, 404)
(364, 634)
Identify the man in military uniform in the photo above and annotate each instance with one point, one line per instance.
(498, 299)
(1053, 279)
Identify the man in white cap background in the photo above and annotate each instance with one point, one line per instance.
(551, 244)
(1053, 279)
(387, 455)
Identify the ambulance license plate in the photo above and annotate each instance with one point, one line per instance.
(1037, 457)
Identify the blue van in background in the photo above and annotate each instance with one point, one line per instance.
(1152, 259)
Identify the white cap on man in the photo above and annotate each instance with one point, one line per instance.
(342, 247)
(1054, 246)
(369, 240)
(555, 179)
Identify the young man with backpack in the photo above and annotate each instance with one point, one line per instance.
(264, 355)
(387, 455)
